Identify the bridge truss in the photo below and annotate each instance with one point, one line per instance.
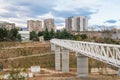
(107, 53)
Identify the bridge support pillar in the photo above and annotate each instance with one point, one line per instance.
(65, 60)
(52, 47)
(119, 72)
(82, 66)
(57, 58)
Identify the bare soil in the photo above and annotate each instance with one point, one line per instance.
(47, 61)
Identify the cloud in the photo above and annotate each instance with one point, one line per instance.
(47, 15)
(58, 20)
(72, 5)
(111, 21)
(19, 11)
(98, 27)
(79, 12)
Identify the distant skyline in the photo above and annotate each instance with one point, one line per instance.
(99, 12)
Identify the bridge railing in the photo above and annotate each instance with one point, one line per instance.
(107, 53)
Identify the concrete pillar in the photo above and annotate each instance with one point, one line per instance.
(82, 66)
(57, 58)
(52, 47)
(119, 72)
(65, 60)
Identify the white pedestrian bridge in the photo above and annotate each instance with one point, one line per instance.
(107, 53)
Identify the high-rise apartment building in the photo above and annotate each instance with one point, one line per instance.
(76, 23)
(7, 25)
(68, 24)
(49, 24)
(34, 25)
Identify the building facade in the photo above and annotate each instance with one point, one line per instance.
(68, 24)
(25, 35)
(34, 25)
(49, 24)
(7, 25)
(76, 23)
(116, 34)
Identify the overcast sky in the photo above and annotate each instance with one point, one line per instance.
(99, 12)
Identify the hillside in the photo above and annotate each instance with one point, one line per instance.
(16, 49)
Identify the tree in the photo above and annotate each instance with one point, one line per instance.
(47, 35)
(57, 35)
(78, 38)
(13, 34)
(40, 33)
(52, 33)
(18, 37)
(83, 36)
(109, 40)
(33, 36)
(64, 35)
(5, 33)
(1, 34)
